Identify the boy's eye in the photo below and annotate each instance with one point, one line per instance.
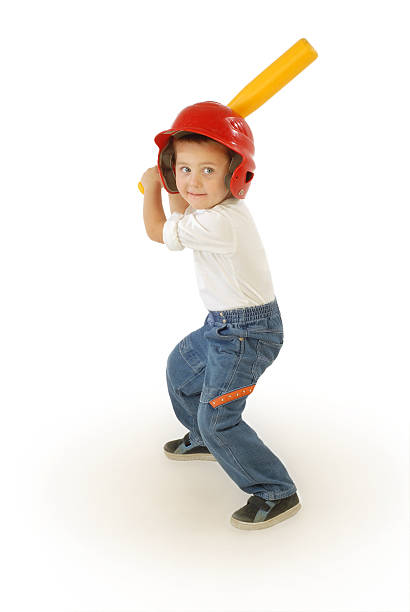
(208, 171)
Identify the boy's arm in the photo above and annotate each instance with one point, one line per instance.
(177, 203)
(154, 217)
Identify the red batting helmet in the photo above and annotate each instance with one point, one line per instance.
(222, 124)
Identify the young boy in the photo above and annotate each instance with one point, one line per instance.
(206, 164)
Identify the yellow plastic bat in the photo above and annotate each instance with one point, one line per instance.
(271, 80)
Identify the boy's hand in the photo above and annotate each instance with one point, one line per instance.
(151, 179)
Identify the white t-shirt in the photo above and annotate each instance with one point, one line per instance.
(230, 262)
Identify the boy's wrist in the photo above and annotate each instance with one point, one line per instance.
(152, 188)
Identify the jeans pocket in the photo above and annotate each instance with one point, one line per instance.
(266, 353)
(227, 339)
(272, 337)
(189, 355)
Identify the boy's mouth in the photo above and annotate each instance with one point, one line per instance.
(196, 195)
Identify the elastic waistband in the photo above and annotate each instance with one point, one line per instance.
(244, 315)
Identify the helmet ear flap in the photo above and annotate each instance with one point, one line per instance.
(167, 167)
(236, 160)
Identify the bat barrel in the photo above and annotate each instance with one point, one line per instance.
(273, 78)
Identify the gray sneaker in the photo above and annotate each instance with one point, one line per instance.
(260, 513)
(181, 450)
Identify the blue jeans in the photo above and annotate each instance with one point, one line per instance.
(210, 374)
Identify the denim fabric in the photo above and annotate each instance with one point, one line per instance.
(229, 352)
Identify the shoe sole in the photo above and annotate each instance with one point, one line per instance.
(263, 524)
(191, 457)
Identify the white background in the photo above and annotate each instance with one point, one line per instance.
(94, 517)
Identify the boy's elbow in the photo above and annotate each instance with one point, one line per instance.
(156, 234)
(157, 239)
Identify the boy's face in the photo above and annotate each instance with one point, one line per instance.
(200, 170)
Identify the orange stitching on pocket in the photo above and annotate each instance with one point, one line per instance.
(232, 395)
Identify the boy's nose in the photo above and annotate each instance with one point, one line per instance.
(195, 180)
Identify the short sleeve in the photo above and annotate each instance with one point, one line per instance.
(204, 230)
(170, 232)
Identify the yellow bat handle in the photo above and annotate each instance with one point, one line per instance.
(140, 187)
(273, 78)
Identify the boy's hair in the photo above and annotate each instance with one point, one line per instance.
(194, 137)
